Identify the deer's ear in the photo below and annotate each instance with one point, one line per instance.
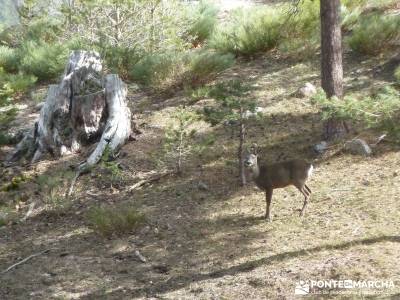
(254, 149)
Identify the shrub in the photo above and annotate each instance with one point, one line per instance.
(9, 59)
(120, 59)
(119, 220)
(205, 65)
(301, 30)
(11, 84)
(6, 117)
(374, 34)
(159, 70)
(205, 19)
(178, 141)
(249, 32)
(380, 111)
(169, 71)
(43, 60)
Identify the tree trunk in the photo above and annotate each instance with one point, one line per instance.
(82, 108)
(331, 62)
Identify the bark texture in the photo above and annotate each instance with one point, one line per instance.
(83, 107)
(331, 63)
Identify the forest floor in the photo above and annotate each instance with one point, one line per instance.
(213, 243)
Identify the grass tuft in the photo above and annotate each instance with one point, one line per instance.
(109, 221)
(375, 34)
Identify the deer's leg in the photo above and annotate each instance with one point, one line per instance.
(268, 197)
(306, 194)
(308, 189)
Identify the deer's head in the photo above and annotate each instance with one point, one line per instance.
(250, 159)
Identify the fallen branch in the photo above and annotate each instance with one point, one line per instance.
(29, 212)
(24, 260)
(149, 180)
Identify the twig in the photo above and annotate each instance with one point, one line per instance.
(24, 260)
(71, 188)
(140, 256)
(29, 212)
(148, 180)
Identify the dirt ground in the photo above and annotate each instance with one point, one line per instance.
(213, 243)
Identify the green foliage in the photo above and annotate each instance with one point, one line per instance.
(6, 117)
(204, 18)
(9, 59)
(108, 162)
(12, 84)
(179, 136)
(232, 99)
(5, 139)
(120, 60)
(381, 110)
(375, 33)
(301, 31)
(43, 60)
(14, 183)
(204, 65)
(249, 32)
(159, 70)
(43, 29)
(109, 221)
(170, 70)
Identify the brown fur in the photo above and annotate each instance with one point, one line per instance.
(279, 175)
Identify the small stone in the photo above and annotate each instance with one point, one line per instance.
(358, 147)
(306, 91)
(202, 186)
(320, 147)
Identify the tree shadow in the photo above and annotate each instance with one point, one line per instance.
(179, 282)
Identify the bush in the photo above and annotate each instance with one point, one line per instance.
(9, 59)
(15, 83)
(205, 19)
(249, 32)
(169, 71)
(119, 220)
(205, 65)
(380, 111)
(159, 70)
(301, 31)
(374, 34)
(120, 59)
(43, 60)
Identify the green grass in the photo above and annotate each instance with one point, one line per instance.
(9, 59)
(205, 20)
(45, 61)
(176, 70)
(109, 221)
(380, 110)
(7, 117)
(249, 32)
(375, 34)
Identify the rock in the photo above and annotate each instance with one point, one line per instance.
(321, 147)
(202, 186)
(358, 147)
(306, 91)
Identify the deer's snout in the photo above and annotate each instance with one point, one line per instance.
(248, 163)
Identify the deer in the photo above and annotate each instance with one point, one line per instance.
(268, 177)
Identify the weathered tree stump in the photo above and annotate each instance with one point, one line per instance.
(85, 108)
